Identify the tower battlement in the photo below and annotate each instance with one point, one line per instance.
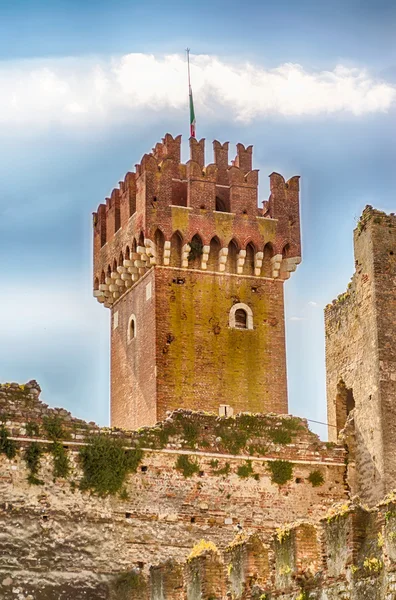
(154, 214)
(193, 272)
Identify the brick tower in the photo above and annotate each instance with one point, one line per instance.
(361, 357)
(193, 273)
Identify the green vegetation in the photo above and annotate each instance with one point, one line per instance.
(246, 470)
(32, 429)
(281, 471)
(316, 478)
(32, 457)
(61, 460)
(224, 470)
(186, 466)
(106, 464)
(53, 428)
(7, 446)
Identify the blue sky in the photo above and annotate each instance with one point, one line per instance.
(88, 87)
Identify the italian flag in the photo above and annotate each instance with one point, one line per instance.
(192, 115)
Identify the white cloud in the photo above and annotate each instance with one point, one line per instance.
(80, 91)
(297, 319)
(312, 303)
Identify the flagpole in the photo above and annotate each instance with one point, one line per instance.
(188, 69)
(190, 97)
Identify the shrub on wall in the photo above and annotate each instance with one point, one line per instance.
(281, 471)
(7, 446)
(106, 463)
(32, 457)
(186, 466)
(315, 478)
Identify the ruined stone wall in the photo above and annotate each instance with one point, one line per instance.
(58, 541)
(360, 327)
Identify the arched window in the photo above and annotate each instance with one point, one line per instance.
(232, 258)
(213, 262)
(176, 250)
(268, 254)
(120, 260)
(141, 239)
(102, 277)
(241, 316)
(248, 267)
(114, 266)
(96, 283)
(127, 253)
(134, 245)
(159, 241)
(195, 254)
(131, 333)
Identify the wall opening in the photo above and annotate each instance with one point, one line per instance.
(345, 403)
(159, 240)
(213, 261)
(268, 254)
(232, 258)
(195, 254)
(131, 335)
(248, 267)
(176, 250)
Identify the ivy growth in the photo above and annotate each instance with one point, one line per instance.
(281, 471)
(186, 466)
(32, 457)
(7, 446)
(61, 460)
(53, 428)
(106, 463)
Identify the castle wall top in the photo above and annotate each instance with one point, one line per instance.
(163, 196)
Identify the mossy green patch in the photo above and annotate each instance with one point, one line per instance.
(61, 460)
(53, 427)
(130, 585)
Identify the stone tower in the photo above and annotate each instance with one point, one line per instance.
(193, 273)
(361, 358)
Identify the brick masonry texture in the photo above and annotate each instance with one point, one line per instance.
(361, 355)
(60, 542)
(184, 352)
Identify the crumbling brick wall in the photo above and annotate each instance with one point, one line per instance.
(62, 542)
(360, 355)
